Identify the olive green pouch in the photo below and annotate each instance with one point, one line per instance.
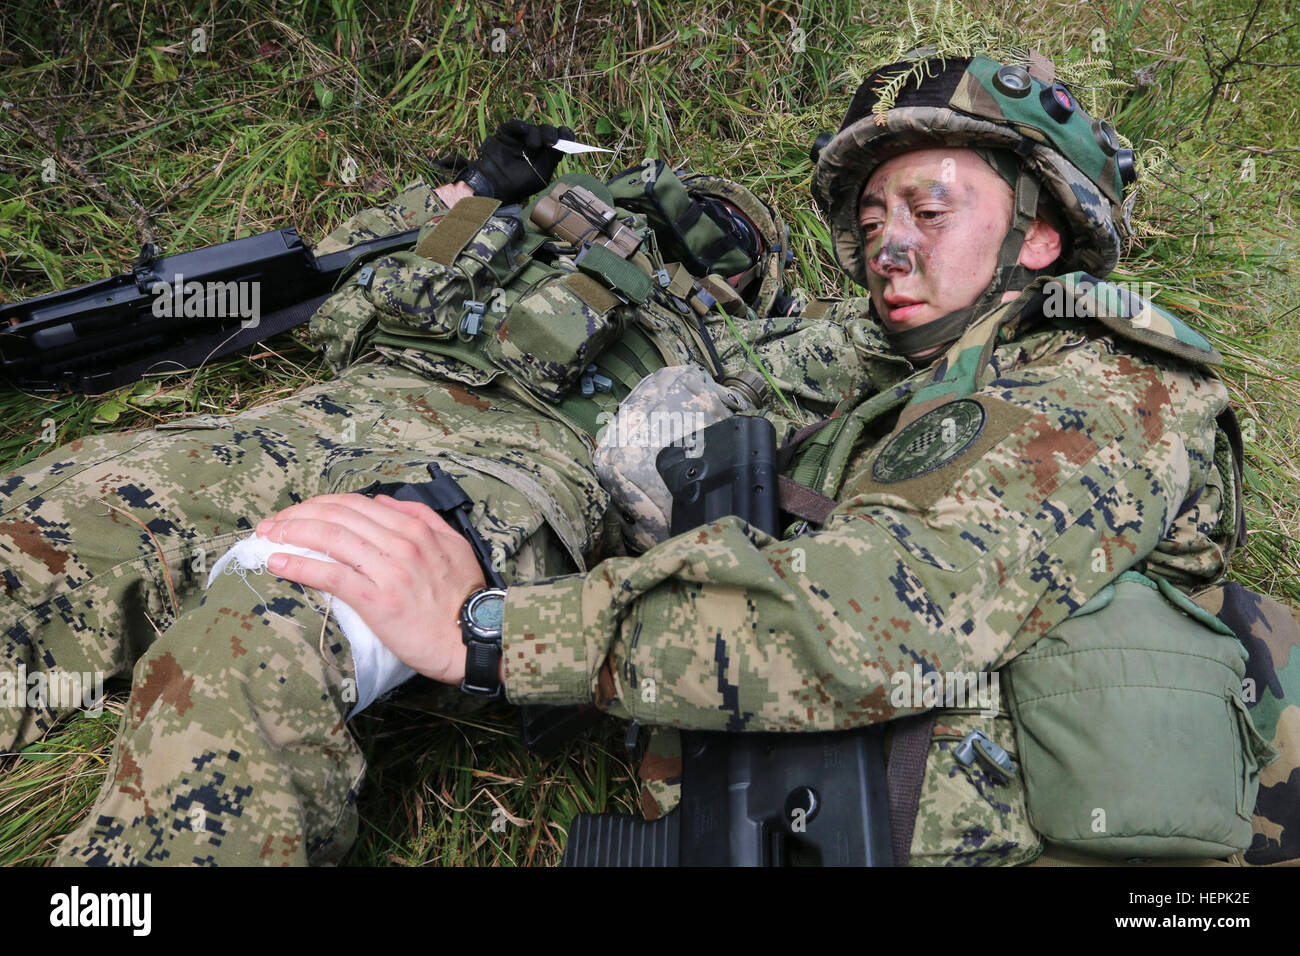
(686, 233)
(1133, 739)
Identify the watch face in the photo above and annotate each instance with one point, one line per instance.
(488, 610)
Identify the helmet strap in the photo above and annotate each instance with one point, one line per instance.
(1007, 275)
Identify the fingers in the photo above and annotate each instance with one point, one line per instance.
(323, 505)
(514, 132)
(350, 541)
(337, 579)
(358, 531)
(532, 137)
(422, 513)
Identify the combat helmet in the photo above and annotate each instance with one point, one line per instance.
(710, 225)
(757, 227)
(1015, 110)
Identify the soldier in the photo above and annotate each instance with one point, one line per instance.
(1009, 460)
(234, 748)
(1045, 481)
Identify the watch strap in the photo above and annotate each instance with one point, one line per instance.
(482, 646)
(482, 667)
(473, 177)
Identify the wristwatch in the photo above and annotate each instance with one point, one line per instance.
(480, 628)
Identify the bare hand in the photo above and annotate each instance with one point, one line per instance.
(402, 568)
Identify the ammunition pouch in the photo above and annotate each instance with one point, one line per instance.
(472, 292)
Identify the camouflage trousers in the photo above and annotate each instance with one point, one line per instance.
(234, 747)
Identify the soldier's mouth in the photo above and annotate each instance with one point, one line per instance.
(903, 310)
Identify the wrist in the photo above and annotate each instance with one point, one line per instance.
(452, 193)
(473, 178)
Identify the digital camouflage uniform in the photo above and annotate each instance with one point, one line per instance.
(233, 748)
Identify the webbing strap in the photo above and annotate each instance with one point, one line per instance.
(629, 357)
(812, 454)
(682, 282)
(615, 271)
(445, 241)
(689, 218)
(787, 451)
(803, 502)
(905, 773)
(614, 367)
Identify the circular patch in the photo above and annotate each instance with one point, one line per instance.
(930, 442)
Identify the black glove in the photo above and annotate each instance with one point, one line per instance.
(515, 161)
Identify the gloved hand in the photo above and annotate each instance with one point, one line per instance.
(515, 161)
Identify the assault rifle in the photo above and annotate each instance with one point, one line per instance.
(173, 312)
(750, 799)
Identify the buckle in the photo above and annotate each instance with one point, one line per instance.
(977, 745)
(593, 381)
(471, 319)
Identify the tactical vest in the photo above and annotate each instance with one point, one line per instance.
(486, 296)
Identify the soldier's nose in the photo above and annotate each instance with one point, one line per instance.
(892, 257)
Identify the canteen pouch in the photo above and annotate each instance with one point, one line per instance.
(1133, 739)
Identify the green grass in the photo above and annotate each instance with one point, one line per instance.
(251, 134)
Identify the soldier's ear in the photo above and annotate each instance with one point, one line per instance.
(1042, 245)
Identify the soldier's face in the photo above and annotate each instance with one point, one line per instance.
(932, 222)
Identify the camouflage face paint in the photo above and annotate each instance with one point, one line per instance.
(896, 253)
(932, 223)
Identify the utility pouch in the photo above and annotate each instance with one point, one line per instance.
(412, 295)
(472, 292)
(971, 810)
(550, 335)
(686, 232)
(577, 215)
(1133, 738)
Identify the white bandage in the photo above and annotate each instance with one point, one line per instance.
(377, 668)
